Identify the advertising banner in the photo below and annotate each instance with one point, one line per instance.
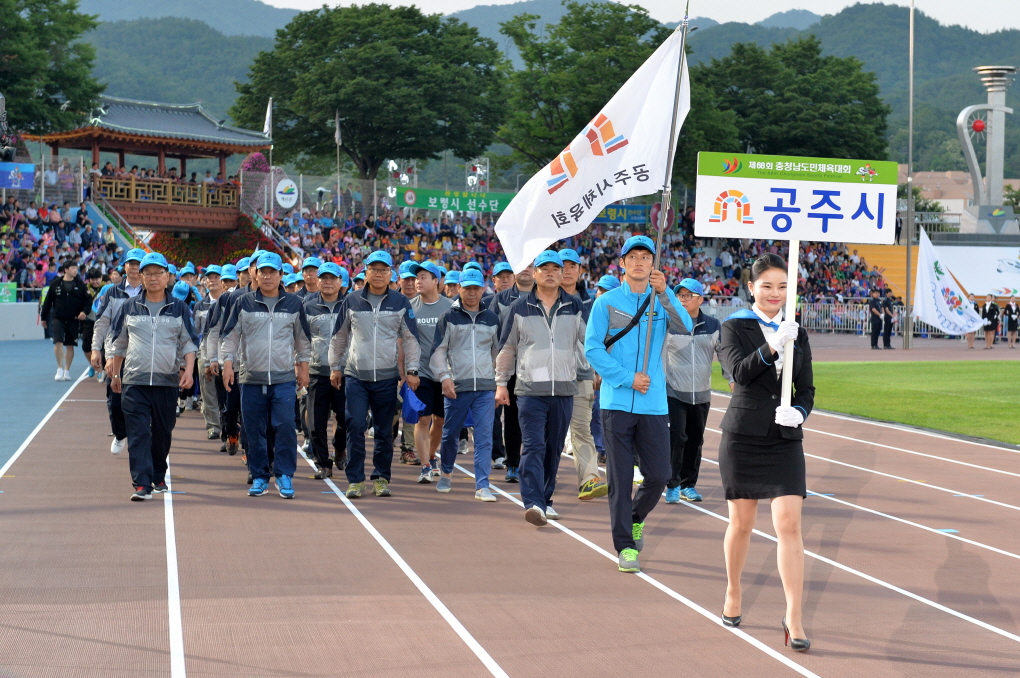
(767, 197)
(623, 214)
(462, 201)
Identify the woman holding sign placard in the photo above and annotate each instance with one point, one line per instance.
(761, 455)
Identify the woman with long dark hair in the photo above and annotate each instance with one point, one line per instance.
(761, 455)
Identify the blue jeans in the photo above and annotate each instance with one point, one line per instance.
(545, 421)
(263, 407)
(596, 425)
(381, 396)
(482, 407)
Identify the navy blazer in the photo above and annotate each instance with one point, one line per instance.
(757, 391)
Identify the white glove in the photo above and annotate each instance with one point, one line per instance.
(789, 416)
(787, 331)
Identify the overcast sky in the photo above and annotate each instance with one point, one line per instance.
(981, 15)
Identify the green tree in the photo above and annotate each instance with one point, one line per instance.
(1011, 196)
(407, 85)
(572, 70)
(45, 70)
(791, 100)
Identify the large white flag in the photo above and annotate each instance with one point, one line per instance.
(267, 126)
(940, 302)
(622, 153)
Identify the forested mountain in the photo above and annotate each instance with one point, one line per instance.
(230, 17)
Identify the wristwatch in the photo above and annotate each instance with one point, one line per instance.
(412, 373)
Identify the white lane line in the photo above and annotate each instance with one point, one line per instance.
(712, 617)
(465, 635)
(173, 585)
(39, 427)
(895, 427)
(904, 521)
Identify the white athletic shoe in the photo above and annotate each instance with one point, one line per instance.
(67, 375)
(462, 447)
(551, 514)
(59, 376)
(118, 445)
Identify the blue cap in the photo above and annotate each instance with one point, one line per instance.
(135, 254)
(188, 268)
(256, 254)
(311, 262)
(502, 267)
(452, 278)
(380, 257)
(405, 270)
(173, 269)
(154, 258)
(270, 260)
(608, 282)
(473, 264)
(288, 269)
(417, 268)
(393, 276)
(442, 269)
(215, 269)
(692, 285)
(242, 264)
(570, 255)
(345, 277)
(360, 276)
(181, 290)
(548, 257)
(228, 272)
(329, 268)
(471, 277)
(642, 241)
(291, 279)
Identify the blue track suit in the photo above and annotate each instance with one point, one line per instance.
(268, 343)
(635, 425)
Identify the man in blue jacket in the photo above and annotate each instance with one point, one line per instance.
(635, 416)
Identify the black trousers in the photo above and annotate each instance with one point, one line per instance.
(114, 408)
(87, 330)
(512, 428)
(325, 401)
(686, 436)
(150, 413)
(498, 450)
(221, 399)
(876, 330)
(887, 332)
(629, 439)
(230, 410)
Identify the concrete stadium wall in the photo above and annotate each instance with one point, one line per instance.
(18, 321)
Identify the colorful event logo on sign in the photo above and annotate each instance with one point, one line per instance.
(17, 175)
(772, 197)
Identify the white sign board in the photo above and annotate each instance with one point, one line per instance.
(784, 198)
(286, 193)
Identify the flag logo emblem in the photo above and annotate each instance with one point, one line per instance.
(602, 137)
(734, 200)
(562, 169)
(732, 166)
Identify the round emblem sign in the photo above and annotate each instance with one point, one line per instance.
(410, 198)
(286, 193)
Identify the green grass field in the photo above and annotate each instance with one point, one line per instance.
(979, 398)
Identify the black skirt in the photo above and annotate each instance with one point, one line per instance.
(754, 467)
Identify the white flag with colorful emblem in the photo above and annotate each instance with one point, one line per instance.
(940, 302)
(621, 153)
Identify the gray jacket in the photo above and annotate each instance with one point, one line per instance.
(465, 349)
(688, 362)
(153, 347)
(546, 352)
(366, 339)
(321, 322)
(269, 343)
(109, 306)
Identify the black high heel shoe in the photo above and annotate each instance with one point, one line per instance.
(731, 622)
(796, 644)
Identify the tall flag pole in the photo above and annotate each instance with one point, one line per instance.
(667, 189)
(267, 131)
(339, 140)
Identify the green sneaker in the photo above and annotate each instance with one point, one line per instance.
(354, 490)
(638, 531)
(381, 487)
(629, 561)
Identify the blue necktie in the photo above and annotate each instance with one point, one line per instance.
(773, 325)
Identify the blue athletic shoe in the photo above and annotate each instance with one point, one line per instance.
(690, 494)
(285, 486)
(92, 372)
(672, 495)
(512, 475)
(259, 487)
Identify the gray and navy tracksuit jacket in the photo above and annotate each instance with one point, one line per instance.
(268, 342)
(217, 321)
(108, 308)
(365, 340)
(321, 322)
(586, 373)
(465, 349)
(201, 313)
(546, 352)
(501, 302)
(153, 347)
(689, 361)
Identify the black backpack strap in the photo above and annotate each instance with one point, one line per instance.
(631, 325)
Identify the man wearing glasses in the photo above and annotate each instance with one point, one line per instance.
(375, 326)
(689, 392)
